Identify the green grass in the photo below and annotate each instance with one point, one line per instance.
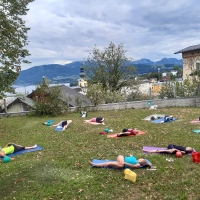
(61, 170)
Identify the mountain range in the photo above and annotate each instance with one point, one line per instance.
(69, 73)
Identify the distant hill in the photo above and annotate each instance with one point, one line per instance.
(143, 61)
(70, 72)
(54, 72)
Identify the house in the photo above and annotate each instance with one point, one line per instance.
(156, 87)
(145, 88)
(174, 73)
(164, 74)
(191, 59)
(72, 96)
(18, 104)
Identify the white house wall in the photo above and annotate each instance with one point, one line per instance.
(16, 108)
(145, 88)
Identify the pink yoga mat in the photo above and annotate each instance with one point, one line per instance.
(195, 121)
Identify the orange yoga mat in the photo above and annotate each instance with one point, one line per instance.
(115, 135)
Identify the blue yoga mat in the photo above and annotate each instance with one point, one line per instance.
(24, 151)
(161, 120)
(97, 161)
(196, 131)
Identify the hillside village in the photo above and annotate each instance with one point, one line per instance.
(191, 62)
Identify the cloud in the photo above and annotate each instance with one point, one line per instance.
(68, 30)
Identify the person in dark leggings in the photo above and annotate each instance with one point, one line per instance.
(167, 119)
(172, 149)
(127, 132)
(13, 148)
(64, 124)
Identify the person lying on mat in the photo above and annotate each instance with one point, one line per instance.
(123, 161)
(127, 132)
(167, 119)
(13, 148)
(172, 149)
(64, 124)
(97, 120)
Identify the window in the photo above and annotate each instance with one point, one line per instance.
(198, 66)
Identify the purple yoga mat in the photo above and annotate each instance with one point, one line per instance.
(148, 148)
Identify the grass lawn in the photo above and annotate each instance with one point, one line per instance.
(61, 170)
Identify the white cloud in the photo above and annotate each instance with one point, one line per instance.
(63, 31)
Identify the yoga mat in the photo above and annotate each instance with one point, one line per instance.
(156, 116)
(115, 135)
(149, 148)
(195, 121)
(196, 131)
(161, 120)
(97, 161)
(24, 151)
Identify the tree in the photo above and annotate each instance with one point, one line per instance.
(49, 100)
(167, 90)
(96, 94)
(178, 89)
(154, 75)
(99, 95)
(109, 67)
(13, 39)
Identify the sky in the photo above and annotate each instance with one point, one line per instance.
(63, 31)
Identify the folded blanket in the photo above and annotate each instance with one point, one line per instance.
(58, 128)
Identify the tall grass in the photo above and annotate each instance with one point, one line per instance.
(61, 170)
